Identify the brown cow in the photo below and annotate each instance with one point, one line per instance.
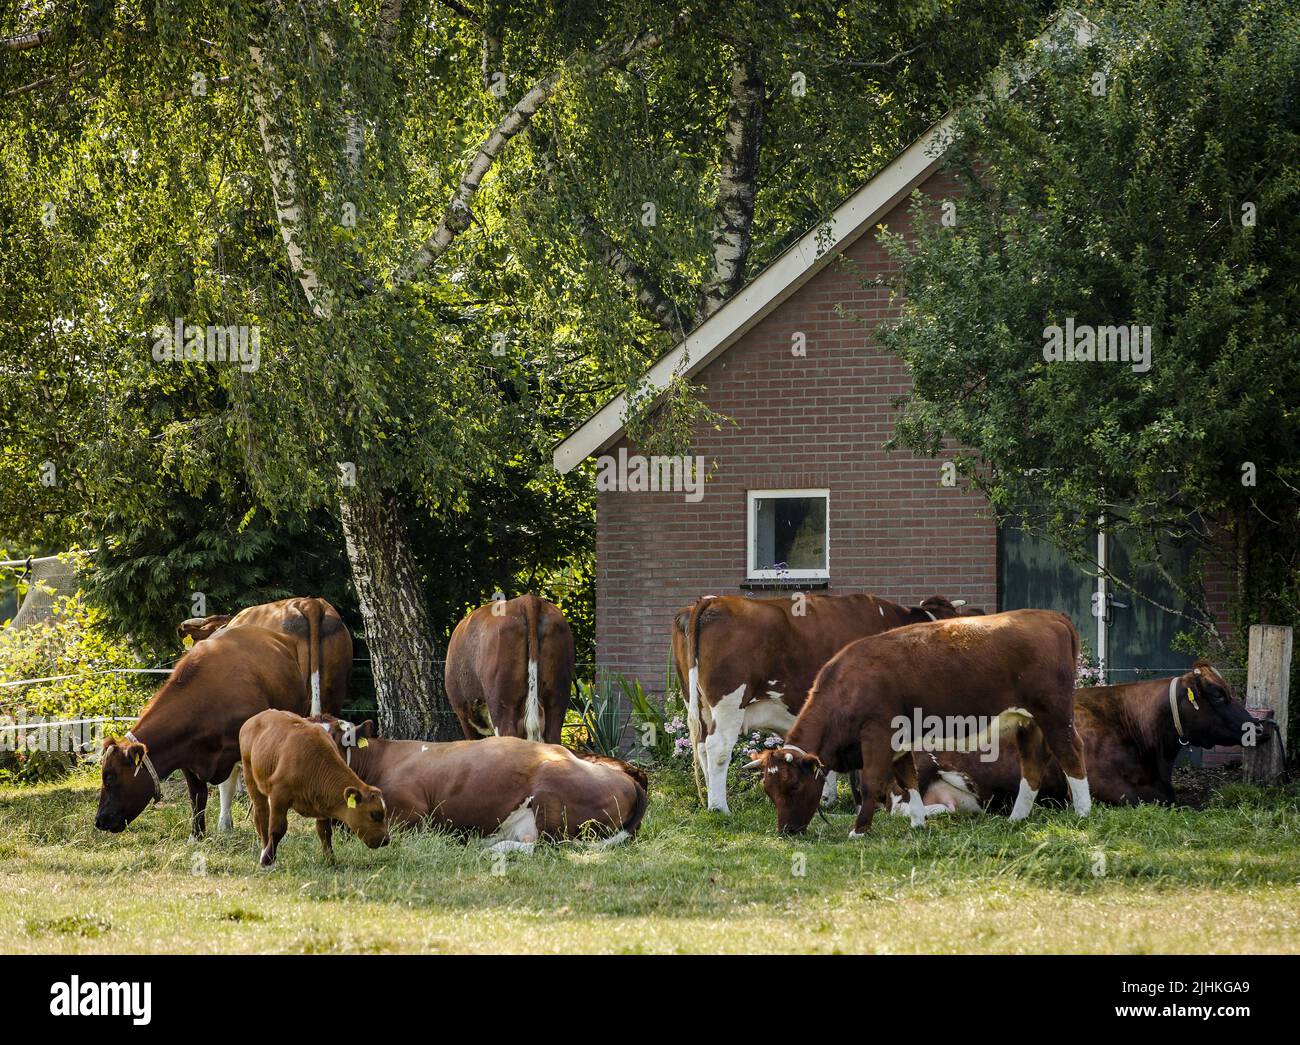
(510, 670)
(509, 790)
(1131, 735)
(192, 724)
(748, 664)
(290, 763)
(1005, 672)
(323, 643)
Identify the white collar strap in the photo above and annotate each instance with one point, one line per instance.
(148, 764)
(1173, 706)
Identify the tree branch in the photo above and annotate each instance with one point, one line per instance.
(457, 217)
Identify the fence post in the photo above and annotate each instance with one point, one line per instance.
(1268, 688)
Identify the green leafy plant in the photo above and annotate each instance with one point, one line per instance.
(596, 717)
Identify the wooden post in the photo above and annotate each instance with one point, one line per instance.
(1268, 688)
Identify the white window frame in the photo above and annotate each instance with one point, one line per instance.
(753, 574)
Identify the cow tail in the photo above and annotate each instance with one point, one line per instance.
(532, 649)
(633, 823)
(315, 612)
(693, 690)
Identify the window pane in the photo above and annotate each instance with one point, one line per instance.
(790, 532)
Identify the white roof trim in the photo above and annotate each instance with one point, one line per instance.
(780, 279)
(777, 282)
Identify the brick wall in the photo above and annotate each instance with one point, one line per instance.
(815, 421)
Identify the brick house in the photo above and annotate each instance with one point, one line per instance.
(802, 495)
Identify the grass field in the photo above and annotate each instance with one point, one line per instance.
(1222, 879)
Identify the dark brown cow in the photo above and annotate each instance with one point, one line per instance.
(509, 790)
(322, 641)
(192, 724)
(510, 670)
(1131, 735)
(290, 763)
(1011, 672)
(747, 664)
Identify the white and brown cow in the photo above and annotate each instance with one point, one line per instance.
(747, 664)
(510, 791)
(510, 669)
(1010, 672)
(1132, 733)
(322, 643)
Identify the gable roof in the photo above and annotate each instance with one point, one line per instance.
(782, 277)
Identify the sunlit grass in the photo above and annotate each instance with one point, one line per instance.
(1226, 878)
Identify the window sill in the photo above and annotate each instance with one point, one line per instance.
(806, 584)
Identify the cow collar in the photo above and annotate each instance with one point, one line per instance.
(148, 764)
(1173, 706)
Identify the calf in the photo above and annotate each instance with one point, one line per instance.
(509, 790)
(289, 763)
(1013, 672)
(747, 664)
(510, 669)
(192, 724)
(1132, 734)
(322, 643)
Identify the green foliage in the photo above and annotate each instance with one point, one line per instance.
(596, 715)
(1118, 206)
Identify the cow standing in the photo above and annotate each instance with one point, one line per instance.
(510, 670)
(1011, 672)
(509, 790)
(192, 724)
(1132, 733)
(748, 664)
(289, 763)
(323, 644)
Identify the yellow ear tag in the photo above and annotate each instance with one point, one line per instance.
(1193, 700)
(352, 801)
(188, 640)
(363, 742)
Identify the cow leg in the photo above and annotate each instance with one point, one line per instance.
(276, 826)
(1064, 742)
(261, 811)
(198, 804)
(325, 832)
(226, 791)
(905, 776)
(830, 788)
(877, 765)
(1033, 763)
(728, 717)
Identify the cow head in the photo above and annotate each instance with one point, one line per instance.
(793, 781)
(366, 814)
(126, 786)
(200, 628)
(346, 734)
(1209, 714)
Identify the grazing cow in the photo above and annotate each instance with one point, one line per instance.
(1009, 672)
(323, 643)
(192, 724)
(1131, 735)
(290, 763)
(510, 670)
(748, 664)
(509, 790)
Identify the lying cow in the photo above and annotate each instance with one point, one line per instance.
(1013, 671)
(1131, 735)
(192, 724)
(511, 791)
(289, 763)
(747, 664)
(510, 669)
(322, 642)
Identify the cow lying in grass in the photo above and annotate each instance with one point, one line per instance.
(289, 763)
(192, 724)
(1012, 672)
(511, 791)
(1131, 735)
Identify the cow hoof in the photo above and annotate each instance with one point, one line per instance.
(267, 859)
(855, 833)
(723, 808)
(225, 826)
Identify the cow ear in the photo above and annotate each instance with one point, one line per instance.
(135, 751)
(811, 764)
(367, 729)
(351, 795)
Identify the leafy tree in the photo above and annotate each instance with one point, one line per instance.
(1149, 178)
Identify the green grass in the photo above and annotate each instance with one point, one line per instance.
(1223, 879)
